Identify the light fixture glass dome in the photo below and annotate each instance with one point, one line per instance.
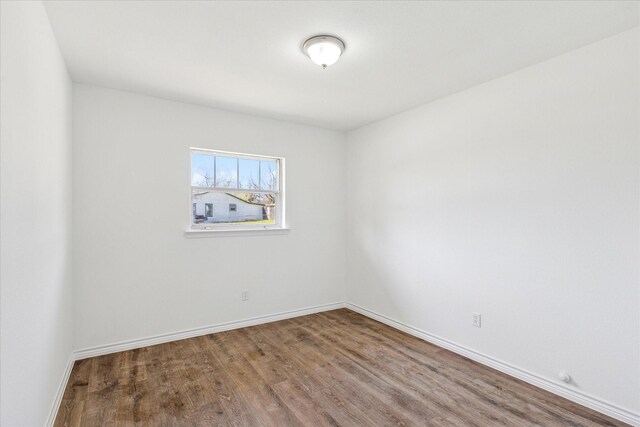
(323, 50)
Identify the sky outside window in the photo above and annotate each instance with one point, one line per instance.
(201, 170)
(268, 175)
(226, 172)
(249, 173)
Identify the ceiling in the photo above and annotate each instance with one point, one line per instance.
(246, 56)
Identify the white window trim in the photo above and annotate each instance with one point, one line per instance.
(235, 232)
(228, 230)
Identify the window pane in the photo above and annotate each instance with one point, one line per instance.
(214, 207)
(268, 175)
(249, 173)
(201, 170)
(226, 172)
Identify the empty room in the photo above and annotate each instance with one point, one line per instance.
(319, 213)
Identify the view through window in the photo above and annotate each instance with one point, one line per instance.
(235, 190)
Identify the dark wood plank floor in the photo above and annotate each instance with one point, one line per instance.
(327, 369)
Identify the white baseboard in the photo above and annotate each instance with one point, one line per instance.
(195, 332)
(529, 377)
(174, 336)
(577, 396)
(60, 392)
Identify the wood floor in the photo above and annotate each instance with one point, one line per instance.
(327, 369)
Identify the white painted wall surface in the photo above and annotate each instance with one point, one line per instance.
(35, 135)
(517, 199)
(137, 274)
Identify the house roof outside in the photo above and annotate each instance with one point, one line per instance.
(235, 197)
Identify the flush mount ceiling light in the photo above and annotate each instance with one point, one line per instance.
(323, 50)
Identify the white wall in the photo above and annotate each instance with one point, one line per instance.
(517, 199)
(136, 273)
(35, 129)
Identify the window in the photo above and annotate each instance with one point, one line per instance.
(236, 191)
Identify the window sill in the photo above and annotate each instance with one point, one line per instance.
(235, 232)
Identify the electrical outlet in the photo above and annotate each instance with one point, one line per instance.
(477, 320)
(245, 295)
